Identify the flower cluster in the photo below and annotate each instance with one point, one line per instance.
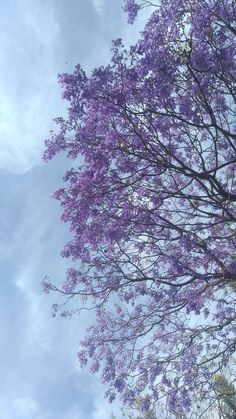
(131, 8)
(150, 201)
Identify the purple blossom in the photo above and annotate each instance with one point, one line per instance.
(46, 285)
(151, 208)
(145, 404)
(131, 8)
(231, 268)
(119, 384)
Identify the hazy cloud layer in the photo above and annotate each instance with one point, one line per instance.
(40, 38)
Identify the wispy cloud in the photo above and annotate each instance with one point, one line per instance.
(27, 75)
(98, 6)
(104, 410)
(41, 373)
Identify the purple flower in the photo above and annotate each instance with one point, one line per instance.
(131, 8)
(119, 384)
(231, 268)
(150, 203)
(145, 404)
(46, 285)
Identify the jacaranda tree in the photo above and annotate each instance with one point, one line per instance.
(151, 202)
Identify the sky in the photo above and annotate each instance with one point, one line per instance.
(40, 374)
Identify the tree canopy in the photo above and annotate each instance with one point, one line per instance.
(151, 203)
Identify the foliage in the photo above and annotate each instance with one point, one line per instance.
(220, 405)
(151, 204)
(226, 397)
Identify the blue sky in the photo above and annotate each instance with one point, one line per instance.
(39, 38)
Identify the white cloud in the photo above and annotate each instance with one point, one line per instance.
(98, 6)
(37, 332)
(26, 407)
(21, 135)
(28, 74)
(103, 410)
(39, 18)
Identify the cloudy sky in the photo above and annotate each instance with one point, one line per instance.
(38, 39)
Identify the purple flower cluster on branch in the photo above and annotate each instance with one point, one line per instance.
(152, 206)
(131, 8)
